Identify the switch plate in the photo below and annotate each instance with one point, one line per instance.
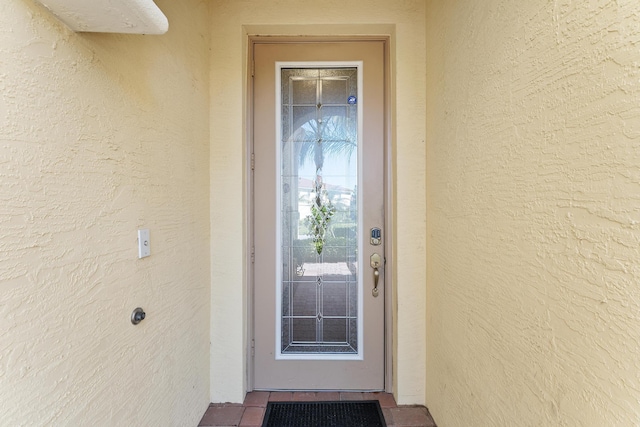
(144, 244)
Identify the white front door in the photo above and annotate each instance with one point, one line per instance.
(318, 126)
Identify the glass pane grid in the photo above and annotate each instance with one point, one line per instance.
(319, 213)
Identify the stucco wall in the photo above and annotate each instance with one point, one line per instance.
(101, 135)
(534, 229)
(231, 19)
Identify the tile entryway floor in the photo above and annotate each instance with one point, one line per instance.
(251, 412)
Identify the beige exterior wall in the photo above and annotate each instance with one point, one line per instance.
(101, 135)
(231, 21)
(534, 229)
(531, 305)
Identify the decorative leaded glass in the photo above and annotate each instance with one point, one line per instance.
(319, 174)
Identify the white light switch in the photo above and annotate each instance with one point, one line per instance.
(144, 244)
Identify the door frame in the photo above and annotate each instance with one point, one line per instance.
(389, 197)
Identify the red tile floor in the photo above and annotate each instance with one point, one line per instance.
(251, 412)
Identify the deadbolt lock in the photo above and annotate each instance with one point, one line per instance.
(375, 237)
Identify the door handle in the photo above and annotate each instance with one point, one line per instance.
(376, 276)
(375, 264)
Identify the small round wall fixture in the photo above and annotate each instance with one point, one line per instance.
(137, 316)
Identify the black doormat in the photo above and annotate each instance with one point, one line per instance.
(358, 413)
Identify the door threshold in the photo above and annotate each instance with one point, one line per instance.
(275, 390)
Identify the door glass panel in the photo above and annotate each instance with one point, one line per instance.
(334, 91)
(319, 215)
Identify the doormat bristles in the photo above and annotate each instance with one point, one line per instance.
(358, 413)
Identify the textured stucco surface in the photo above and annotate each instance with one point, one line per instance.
(228, 256)
(101, 135)
(533, 182)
